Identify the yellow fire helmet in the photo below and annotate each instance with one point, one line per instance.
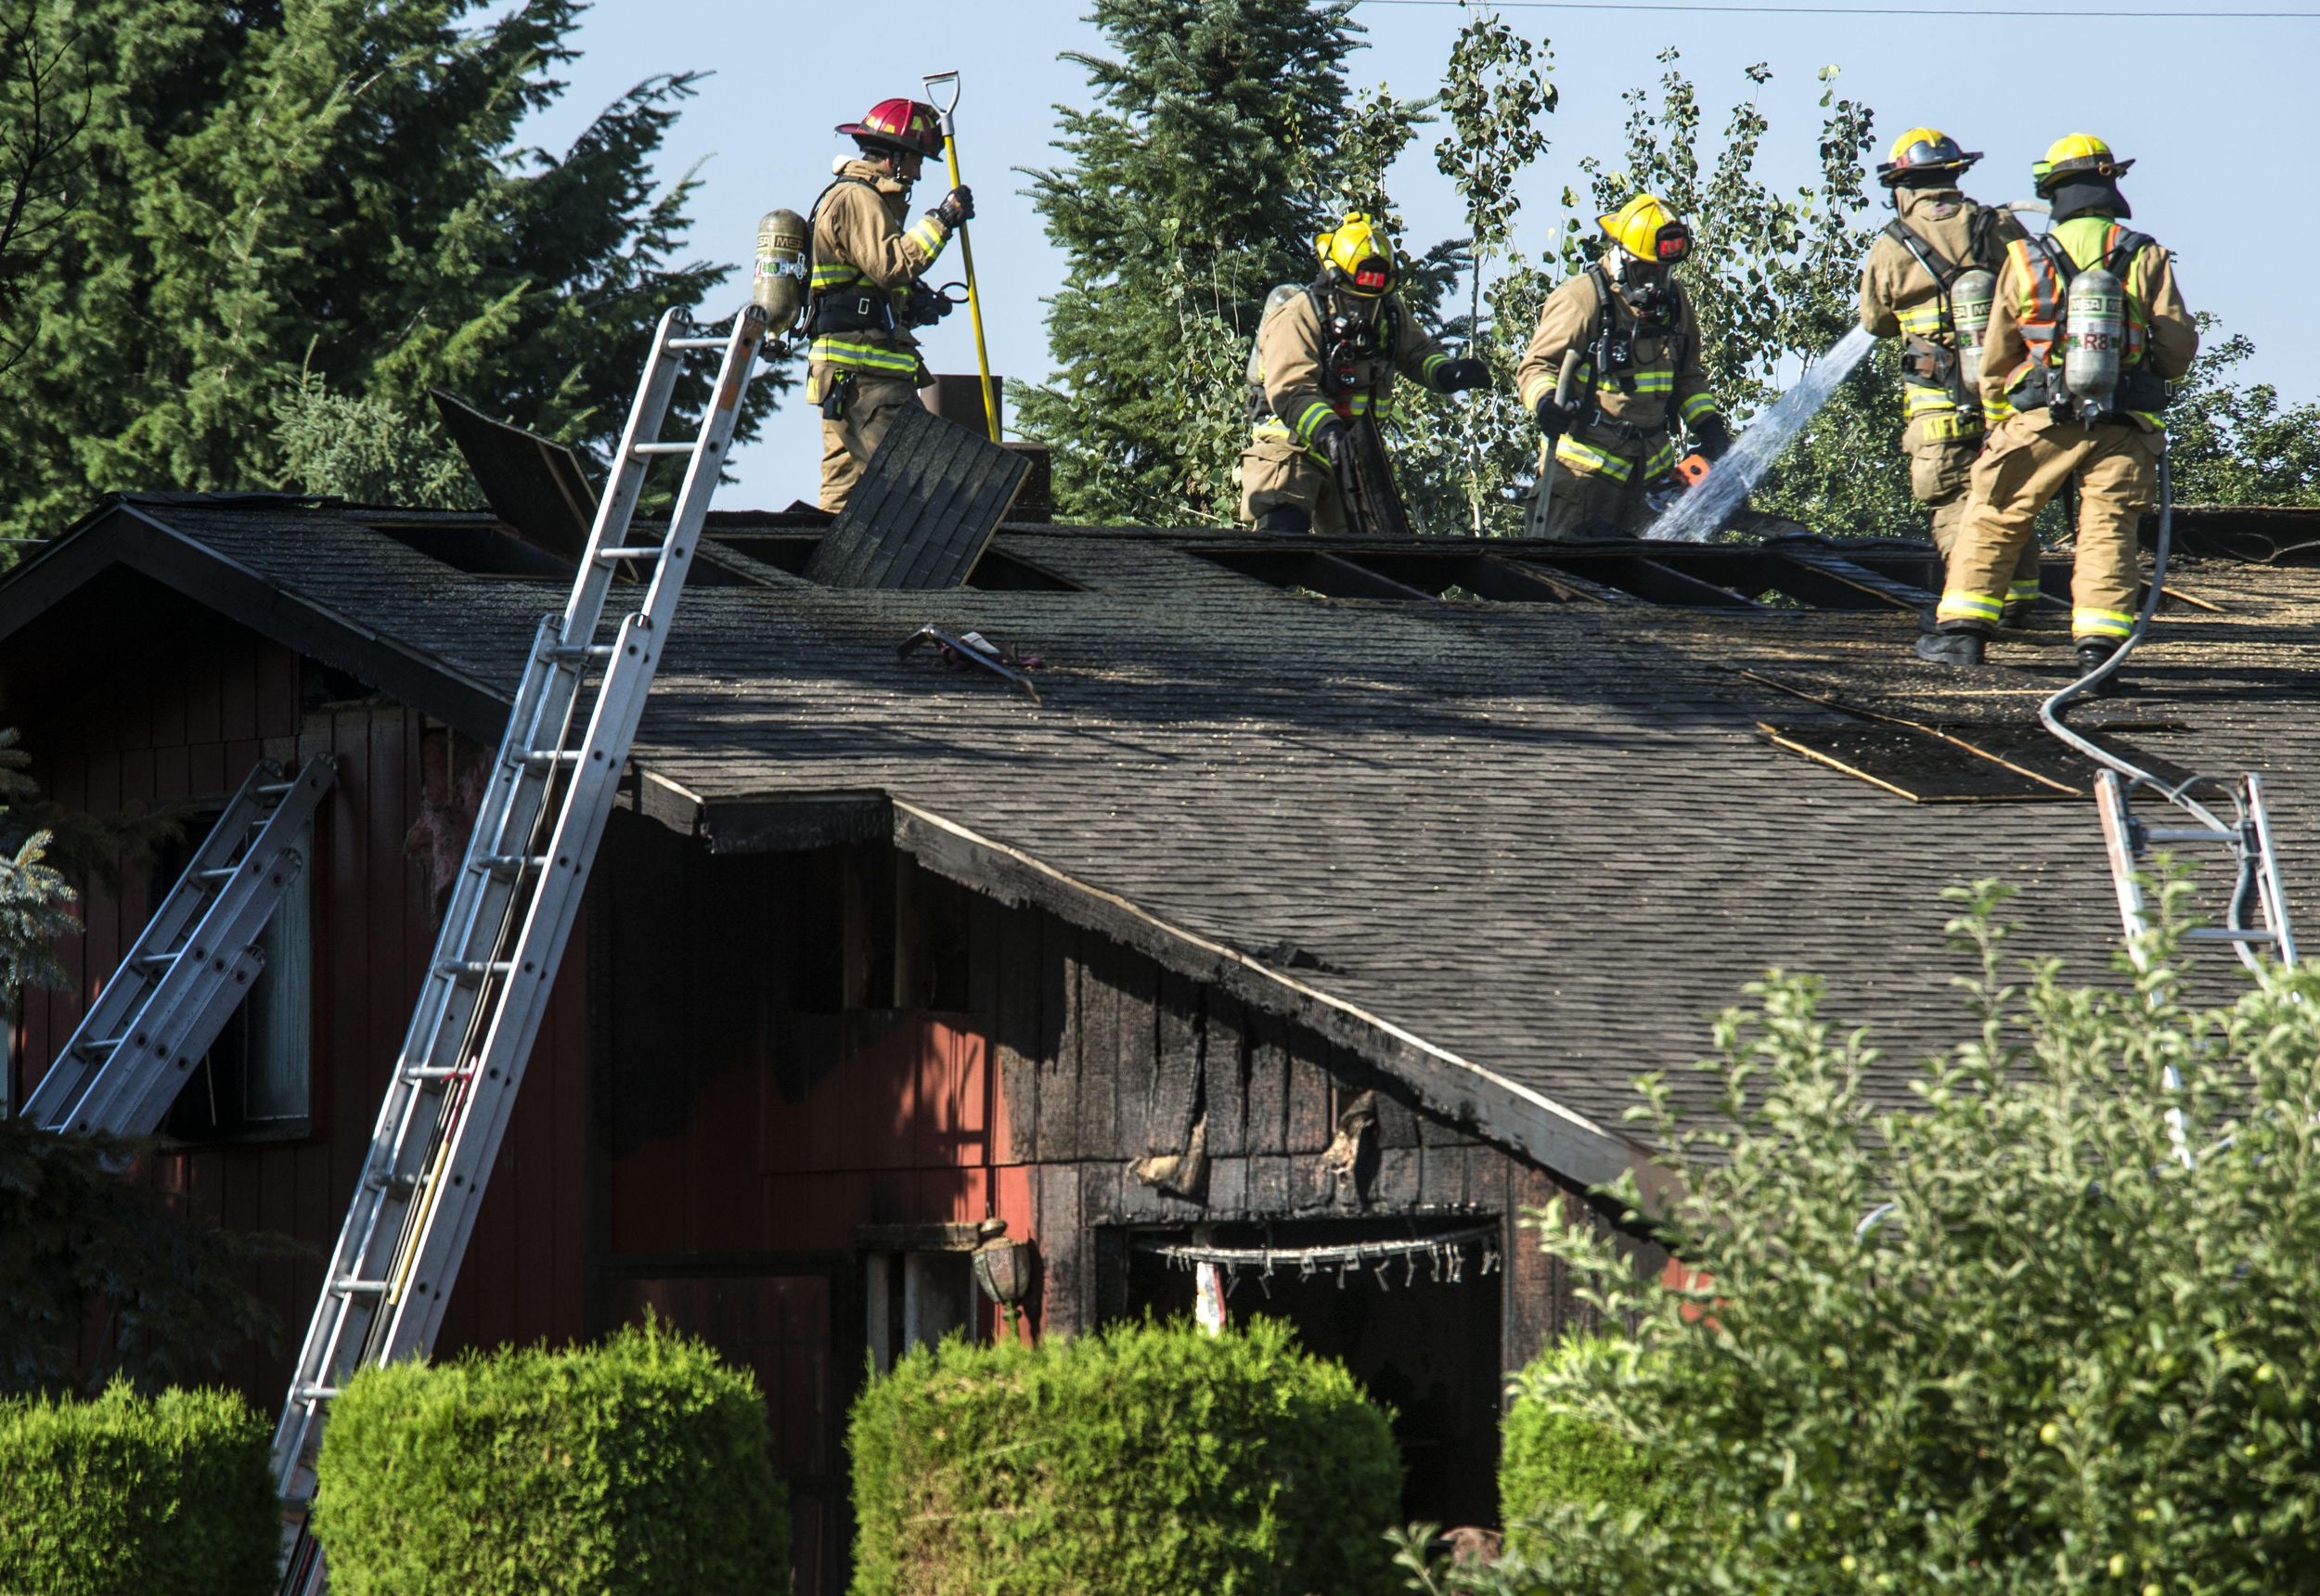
(1359, 254)
(1645, 228)
(2075, 155)
(1924, 150)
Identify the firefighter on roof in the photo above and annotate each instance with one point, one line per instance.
(864, 296)
(1630, 325)
(2086, 330)
(1323, 365)
(1928, 280)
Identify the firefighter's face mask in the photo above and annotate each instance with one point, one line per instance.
(1643, 284)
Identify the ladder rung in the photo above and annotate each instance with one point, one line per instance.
(276, 788)
(159, 960)
(402, 1184)
(475, 968)
(107, 1043)
(2187, 834)
(511, 862)
(317, 1393)
(552, 756)
(2224, 933)
(635, 551)
(583, 651)
(696, 343)
(420, 1075)
(663, 448)
(349, 1286)
(219, 874)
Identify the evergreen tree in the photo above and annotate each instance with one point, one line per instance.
(1193, 186)
(41, 110)
(331, 186)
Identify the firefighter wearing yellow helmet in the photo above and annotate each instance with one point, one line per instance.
(863, 293)
(1927, 281)
(2087, 328)
(1323, 369)
(1630, 325)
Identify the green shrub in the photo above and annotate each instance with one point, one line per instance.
(2072, 1356)
(1557, 1455)
(1151, 1459)
(135, 1493)
(636, 1465)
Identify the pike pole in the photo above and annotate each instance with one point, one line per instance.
(966, 250)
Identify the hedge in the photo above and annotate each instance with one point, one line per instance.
(133, 1493)
(1145, 1459)
(1551, 1456)
(636, 1465)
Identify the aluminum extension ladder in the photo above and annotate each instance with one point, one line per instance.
(518, 893)
(2248, 840)
(190, 967)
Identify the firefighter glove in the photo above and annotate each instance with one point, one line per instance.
(1333, 443)
(1554, 419)
(924, 307)
(958, 206)
(1456, 375)
(1712, 437)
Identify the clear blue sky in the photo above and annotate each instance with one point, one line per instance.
(2200, 104)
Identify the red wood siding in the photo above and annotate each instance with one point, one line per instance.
(183, 716)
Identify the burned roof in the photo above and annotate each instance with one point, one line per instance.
(1516, 819)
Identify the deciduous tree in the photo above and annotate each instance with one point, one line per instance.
(2028, 1333)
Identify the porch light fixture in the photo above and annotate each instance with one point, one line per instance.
(1002, 1267)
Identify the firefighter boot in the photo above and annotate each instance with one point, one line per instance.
(2092, 655)
(1951, 648)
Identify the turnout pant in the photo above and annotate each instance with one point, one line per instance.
(848, 441)
(1278, 475)
(2029, 459)
(1940, 472)
(1594, 504)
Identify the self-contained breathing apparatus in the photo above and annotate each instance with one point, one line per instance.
(785, 246)
(1653, 310)
(2093, 383)
(1348, 342)
(1968, 287)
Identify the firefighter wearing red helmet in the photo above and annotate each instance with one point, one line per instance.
(864, 296)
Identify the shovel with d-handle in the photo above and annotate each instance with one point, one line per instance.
(935, 82)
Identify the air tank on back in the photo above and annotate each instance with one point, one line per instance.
(780, 284)
(2096, 313)
(1971, 297)
(1282, 293)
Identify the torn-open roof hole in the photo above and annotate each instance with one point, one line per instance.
(997, 571)
(1792, 572)
(478, 548)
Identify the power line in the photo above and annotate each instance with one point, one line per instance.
(1851, 11)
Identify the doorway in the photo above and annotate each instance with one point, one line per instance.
(1413, 1310)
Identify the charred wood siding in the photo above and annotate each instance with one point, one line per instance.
(178, 713)
(796, 1046)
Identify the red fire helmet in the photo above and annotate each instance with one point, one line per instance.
(902, 124)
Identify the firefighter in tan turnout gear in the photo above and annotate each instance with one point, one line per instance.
(863, 296)
(1630, 327)
(1928, 280)
(1324, 364)
(2086, 330)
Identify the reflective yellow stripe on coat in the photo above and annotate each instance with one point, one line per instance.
(863, 356)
